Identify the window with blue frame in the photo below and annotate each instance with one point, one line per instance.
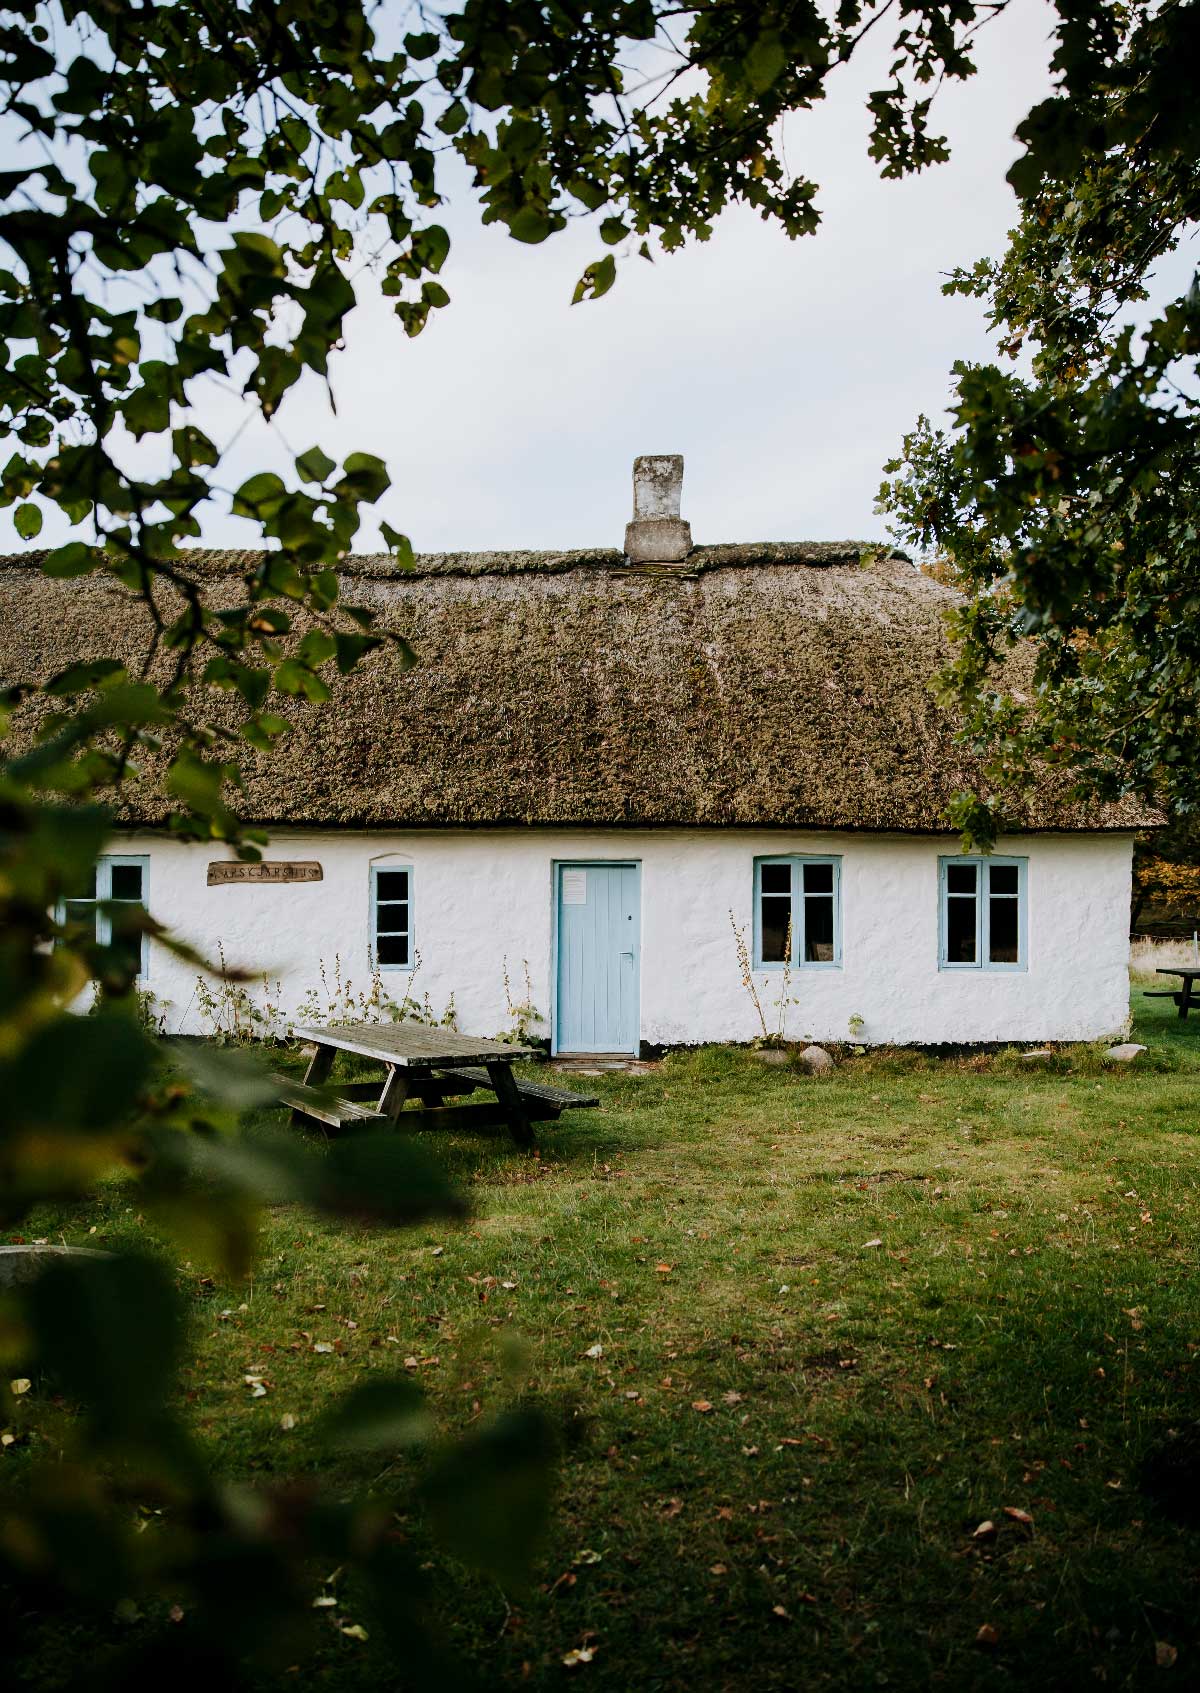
(983, 914)
(797, 911)
(117, 879)
(391, 916)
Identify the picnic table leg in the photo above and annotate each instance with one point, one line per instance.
(1185, 1000)
(397, 1088)
(509, 1095)
(319, 1066)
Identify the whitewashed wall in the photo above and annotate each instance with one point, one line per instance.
(481, 897)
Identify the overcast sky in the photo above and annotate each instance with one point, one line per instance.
(785, 372)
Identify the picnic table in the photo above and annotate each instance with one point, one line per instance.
(1183, 996)
(422, 1068)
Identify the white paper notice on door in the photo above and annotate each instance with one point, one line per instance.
(574, 887)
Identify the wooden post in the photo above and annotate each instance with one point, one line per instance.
(502, 1079)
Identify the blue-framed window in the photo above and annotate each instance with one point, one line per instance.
(797, 912)
(983, 914)
(120, 879)
(392, 916)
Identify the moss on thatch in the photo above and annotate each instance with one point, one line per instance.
(777, 685)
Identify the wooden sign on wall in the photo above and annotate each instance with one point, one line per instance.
(271, 870)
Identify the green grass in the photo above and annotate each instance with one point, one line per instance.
(1025, 1335)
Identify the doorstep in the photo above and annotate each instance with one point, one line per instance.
(600, 1064)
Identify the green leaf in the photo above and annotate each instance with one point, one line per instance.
(366, 475)
(351, 648)
(381, 1414)
(73, 559)
(488, 1497)
(530, 224)
(110, 1330)
(315, 466)
(78, 678)
(381, 1178)
(259, 497)
(28, 521)
(597, 279)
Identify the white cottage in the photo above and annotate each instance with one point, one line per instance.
(606, 768)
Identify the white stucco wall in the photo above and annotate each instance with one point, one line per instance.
(480, 897)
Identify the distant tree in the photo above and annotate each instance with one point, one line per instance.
(194, 187)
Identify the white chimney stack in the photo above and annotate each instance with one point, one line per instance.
(657, 535)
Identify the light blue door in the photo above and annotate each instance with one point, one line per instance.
(598, 946)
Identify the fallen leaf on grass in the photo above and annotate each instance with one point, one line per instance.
(437, 1251)
(1018, 1515)
(323, 1602)
(20, 1386)
(596, 1351)
(287, 1422)
(732, 1397)
(257, 1386)
(579, 1655)
(663, 1269)
(701, 1405)
(587, 1556)
(355, 1631)
(718, 1569)
(870, 1243)
(779, 1611)
(987, 1636)
(322, 1346)
(985, 1529)
(1165, 1654)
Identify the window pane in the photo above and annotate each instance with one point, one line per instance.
(392, 919)
(127, 881)
(1003, 879)
(776, 918)
(960, 930)
(818, 878)
(392, 949)
(818, 928)
(960, 878)
(776, 878)
(391, 884)
(1003, 931)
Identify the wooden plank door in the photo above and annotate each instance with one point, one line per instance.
(599, 944)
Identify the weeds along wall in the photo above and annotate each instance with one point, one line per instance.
(483, 907)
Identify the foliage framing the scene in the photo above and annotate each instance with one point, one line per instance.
(1065, 495)
(190, 191)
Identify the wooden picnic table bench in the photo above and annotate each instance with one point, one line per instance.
(422, 1068)
(1183, 995)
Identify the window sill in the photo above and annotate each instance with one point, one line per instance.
(797, 969)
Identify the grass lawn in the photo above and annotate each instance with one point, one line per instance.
(843, 1323)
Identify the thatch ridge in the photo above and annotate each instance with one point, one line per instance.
(758, 686)
(208, 563)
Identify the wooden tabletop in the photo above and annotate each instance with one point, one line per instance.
(1192, 970)
(414, 1043)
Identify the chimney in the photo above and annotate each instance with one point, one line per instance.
(657, 535)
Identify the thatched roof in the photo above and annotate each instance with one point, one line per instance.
(776, 685)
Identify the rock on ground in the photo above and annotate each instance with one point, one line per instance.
(816, 1059)
(1126, 1052)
